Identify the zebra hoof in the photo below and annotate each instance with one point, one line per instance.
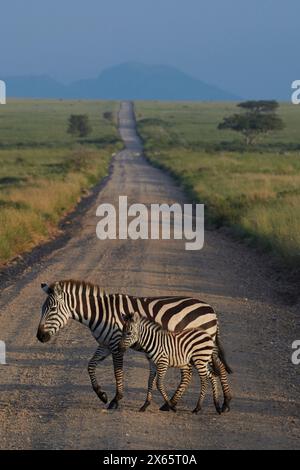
(165, 407)
(196, 410)
(225, 408)
(218, 410)
(113, 405)
(144, 407)
(103, 397)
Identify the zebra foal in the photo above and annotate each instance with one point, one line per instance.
(102, 312)
(165, 349)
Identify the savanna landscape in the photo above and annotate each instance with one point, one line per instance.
(44, 171)
(254, 190)
(149, 230)
(250, 195)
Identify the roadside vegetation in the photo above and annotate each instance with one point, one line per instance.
(44, 170)
(255, 191)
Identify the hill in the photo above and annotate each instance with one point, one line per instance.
(131, 80)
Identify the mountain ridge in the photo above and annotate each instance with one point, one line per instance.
(129, 80)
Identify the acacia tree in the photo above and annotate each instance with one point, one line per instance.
(108, 115)
(260, 106)
(259, 119)
(79, 125)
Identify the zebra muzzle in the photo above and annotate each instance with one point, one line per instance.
(43, 336)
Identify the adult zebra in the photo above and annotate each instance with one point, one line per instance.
(102, 313)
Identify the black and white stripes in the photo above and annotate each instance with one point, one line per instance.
(102, 314)
(165, 349)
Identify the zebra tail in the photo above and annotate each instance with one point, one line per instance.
(214, 366)
(221, 353)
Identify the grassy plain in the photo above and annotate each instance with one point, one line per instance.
(255, 192)
(43, 170)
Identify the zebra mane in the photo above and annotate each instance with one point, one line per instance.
(75, 282)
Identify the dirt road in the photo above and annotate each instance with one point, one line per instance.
(46, 401)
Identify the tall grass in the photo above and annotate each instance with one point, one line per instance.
(44, 172)
(255, 193)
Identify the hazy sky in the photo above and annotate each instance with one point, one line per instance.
(249, 47)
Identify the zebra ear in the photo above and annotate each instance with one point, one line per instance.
(58, 288)
(46, 288)
(127, 317)
(135, 317)
(130, 316)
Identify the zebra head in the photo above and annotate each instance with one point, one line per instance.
(131, 331)
(55, 312)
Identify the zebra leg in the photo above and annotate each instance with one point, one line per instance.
(186, 375)
(100, 354)
(151, 380)
(219, 366)
(162, 368)
(202, 371)
(118, 370)
(214, 385)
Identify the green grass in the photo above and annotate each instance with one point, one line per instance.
(254, 192)
(43, 170)
(194, 126)
(43, 123)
